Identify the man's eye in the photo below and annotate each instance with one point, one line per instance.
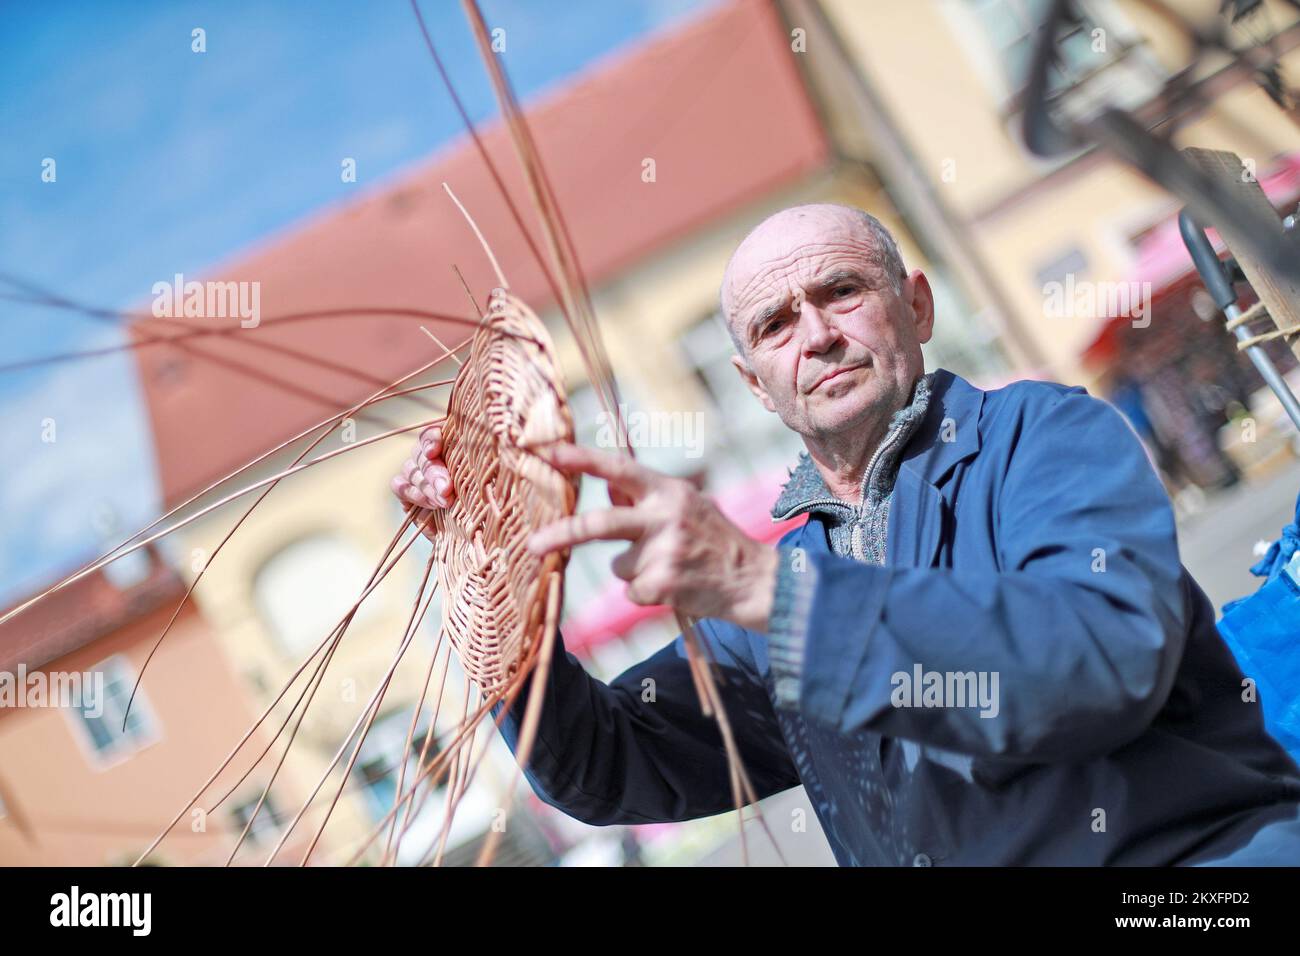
(841, 291)
(773, 326)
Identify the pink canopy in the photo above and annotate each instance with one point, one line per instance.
(1162, 257)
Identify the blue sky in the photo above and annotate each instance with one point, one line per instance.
(169, 160)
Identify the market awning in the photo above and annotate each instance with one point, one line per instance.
(1163, 261)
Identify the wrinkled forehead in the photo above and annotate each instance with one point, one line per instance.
(794, 248)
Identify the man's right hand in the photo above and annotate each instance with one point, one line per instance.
(424, 480)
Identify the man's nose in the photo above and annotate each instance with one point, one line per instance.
(818, 335)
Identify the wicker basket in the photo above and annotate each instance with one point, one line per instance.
(507, 400)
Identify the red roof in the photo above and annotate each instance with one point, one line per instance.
(718, 104)
(81, 613)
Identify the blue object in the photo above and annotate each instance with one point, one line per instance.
(1263, 631)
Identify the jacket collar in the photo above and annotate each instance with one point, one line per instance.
(947, 435)
(950, 432)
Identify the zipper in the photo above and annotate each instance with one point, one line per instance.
(858, 511)
(856, 514)
(859, 550)
(874, 463)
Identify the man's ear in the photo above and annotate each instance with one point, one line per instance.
(752, 382)
(922, 303)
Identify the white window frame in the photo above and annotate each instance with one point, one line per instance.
(987, 61)
(706, 350)
(265, 824)
(385, 740)
(123, 747)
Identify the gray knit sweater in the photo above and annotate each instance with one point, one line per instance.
(856, 530)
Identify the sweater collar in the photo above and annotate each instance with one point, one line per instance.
(806, 490)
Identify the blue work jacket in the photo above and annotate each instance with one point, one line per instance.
(1028, 537)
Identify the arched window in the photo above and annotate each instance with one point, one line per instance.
(304, 590)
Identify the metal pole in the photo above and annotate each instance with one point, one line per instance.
(1224, 295)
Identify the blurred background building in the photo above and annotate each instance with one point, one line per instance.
(95, 785)
(663, 153)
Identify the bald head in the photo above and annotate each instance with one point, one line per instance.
(781, 236)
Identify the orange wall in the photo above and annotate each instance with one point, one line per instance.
(80, 811)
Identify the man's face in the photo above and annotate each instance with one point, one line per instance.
(828, 342)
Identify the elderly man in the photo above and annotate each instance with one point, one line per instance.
(981, 648)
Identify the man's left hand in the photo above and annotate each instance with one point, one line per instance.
(684, 550)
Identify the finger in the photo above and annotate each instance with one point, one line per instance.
(620, 471)
(618, 498)
(645, 593)
(411, 473)
(409, 493)
(431, 486)
(609, 524)
(440, 499)
(431, 442)
(437, 480)
(416, 497)
(424, 521)
(627, 565)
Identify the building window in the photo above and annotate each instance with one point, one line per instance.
(1011, 26)
(749, 442)
(1071, 261)
(379, 764)
(1094, 43)
(102, 712)
(305, 589)
(265, 830)
(964, 343)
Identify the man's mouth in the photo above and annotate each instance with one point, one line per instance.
(830, 376)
